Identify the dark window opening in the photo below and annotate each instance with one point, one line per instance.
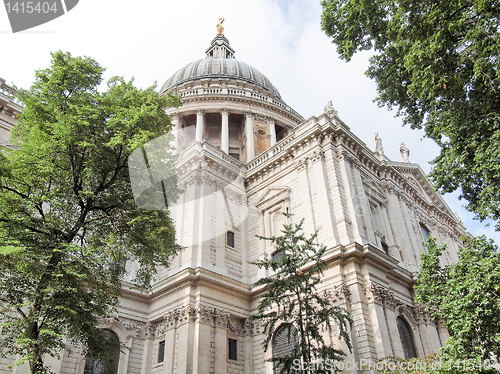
(233, 349)
(230, 239)
(285, 341)
(425, 232)
(236, 156)
(161, 351)
(406, 338)
(277, 255)
(385, 248)
(110, 365)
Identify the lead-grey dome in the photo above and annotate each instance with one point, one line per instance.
(219, 63)
(219, 67)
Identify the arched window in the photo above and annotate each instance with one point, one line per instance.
(285, 339)
(406, 338)
(425, 232)
(111, 366)
(277, 255)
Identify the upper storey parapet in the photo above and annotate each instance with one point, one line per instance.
(8, 97)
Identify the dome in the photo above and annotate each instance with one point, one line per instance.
(220, 63)
(219, 67)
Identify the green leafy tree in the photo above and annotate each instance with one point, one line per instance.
(68, 220)
(438, 63)
(291, 299)
(466, 295)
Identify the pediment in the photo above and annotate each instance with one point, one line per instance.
(418, 180)
(273, 196)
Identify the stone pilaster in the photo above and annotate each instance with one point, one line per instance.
(376, 296)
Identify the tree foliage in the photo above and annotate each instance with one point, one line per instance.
(438, 63)
(68, 220)
(466, 295)
(291, 298)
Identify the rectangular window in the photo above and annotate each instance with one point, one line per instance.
(233, 349)
(235, 156)
(385, 248)
(230, 239)
(161, 351)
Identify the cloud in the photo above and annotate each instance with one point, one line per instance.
(151, 40)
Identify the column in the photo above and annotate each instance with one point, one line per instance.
(184, 341)
(202, 347)
(248, 351)
(393, 330)
(250, 140)
(376, 310)
(272, 130)
(169, 358)
(224, 133)
(204, 215)
(221, 321)
(175, 131)
(327, 232)
(200, 124)
(443, 333)
(305, 193)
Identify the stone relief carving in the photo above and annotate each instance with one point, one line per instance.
(338, 294)
(381, 295)
(303, 162)
(131, 325)
(421, 315)
(204, 314)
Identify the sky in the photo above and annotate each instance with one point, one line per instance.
(150, 40)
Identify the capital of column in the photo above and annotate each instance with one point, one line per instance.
(200, 111)
(224, 112)
(175, 115)
(250, 115)
(270, 120)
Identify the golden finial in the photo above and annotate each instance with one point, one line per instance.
(220, 29)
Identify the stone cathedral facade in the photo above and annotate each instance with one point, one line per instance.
(244, 157)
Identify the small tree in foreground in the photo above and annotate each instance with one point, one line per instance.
(68, 218)
(291, 297)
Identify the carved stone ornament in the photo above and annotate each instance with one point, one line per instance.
(235, 325)
(317, 155)
(149, 330)
(380, 295)
(253, 327)
(338, 294)
(421, 315)
(330, 110)
(131, 325)
(175, 318)
(301, 164)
